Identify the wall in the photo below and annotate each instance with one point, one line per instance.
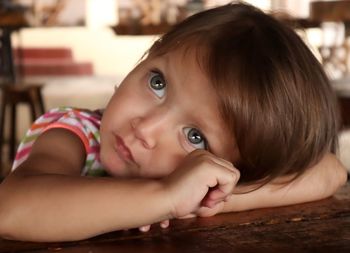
(111, 55)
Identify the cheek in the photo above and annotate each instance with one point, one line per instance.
(120, 106)
(165, 162)
(131, 99)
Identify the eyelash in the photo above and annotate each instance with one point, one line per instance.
(158, 91)
(187, 131)
(155, 72)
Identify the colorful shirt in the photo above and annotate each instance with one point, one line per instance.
(84, 123)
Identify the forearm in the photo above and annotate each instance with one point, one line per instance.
(320, 181)
(60, 208)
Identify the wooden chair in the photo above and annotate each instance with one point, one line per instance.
(13, 18)
(12, 95)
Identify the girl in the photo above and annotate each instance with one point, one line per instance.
(228, 111)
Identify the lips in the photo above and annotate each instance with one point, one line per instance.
(123, 150)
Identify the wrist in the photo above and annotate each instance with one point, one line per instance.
(164, 194)
(144, 202)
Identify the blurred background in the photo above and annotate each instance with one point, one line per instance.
(75, 51)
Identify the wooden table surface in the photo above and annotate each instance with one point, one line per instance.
(322, 226)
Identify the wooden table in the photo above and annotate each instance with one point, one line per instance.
(322, 226)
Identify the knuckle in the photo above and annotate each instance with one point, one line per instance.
(201, 153)
(198, 152)
(233, 177)
(207, 162)
(237, 173)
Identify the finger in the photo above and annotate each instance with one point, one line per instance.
(210, 203)
(188, 216)
(206, 212)
(225, 163)
(212, 197)
(228, 165)
(216, 193)
(145, 228)
(164, 224)
(226, 181)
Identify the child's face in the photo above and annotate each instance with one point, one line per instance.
(164, 109)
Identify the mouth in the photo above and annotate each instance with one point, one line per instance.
(123, 151)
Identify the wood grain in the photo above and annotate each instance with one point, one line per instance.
(321, 226)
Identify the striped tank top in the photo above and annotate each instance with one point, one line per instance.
(84, 123)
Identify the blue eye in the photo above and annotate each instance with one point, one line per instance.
(157, 84)
(195, 138)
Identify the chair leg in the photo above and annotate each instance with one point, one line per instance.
(34, 99)
(13, 133)
(41, 102)
(32, 110)
(2, 127)
(36, 104)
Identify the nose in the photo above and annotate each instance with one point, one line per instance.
(150, 128)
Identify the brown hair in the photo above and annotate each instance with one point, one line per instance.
(275, 96)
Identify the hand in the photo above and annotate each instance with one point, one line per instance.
(201, 180)
(206, 211)
(202, 212)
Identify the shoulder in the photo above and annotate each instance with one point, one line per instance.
(57, 151)
(72, 112)
(82, 122)
(60, 126)
(67, 115)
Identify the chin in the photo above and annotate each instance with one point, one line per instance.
(113, 168)
(116, 167)
(114, 171)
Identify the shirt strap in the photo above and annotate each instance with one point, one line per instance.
(73, 129)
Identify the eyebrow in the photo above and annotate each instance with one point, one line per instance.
(166, 67)
(204, 125)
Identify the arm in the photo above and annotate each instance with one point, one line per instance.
(46, 199)
(320, 181)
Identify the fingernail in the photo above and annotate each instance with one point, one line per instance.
(144, 229)
(163, 225)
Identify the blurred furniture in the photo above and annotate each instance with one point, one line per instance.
(12, 96)
(321, 226)
(342, 89)
(7, 70)
(344, 103)
(12, 18)
(55, 62)
(336, 55)
(333, 17)
(334, 11)
(141, 17)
